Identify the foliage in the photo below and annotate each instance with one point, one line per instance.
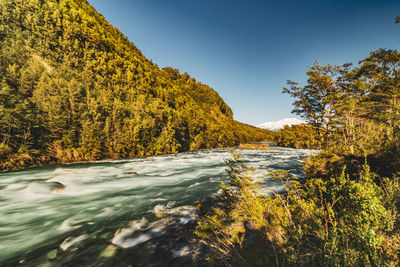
(346, 211)
(74, 88)
(317, 101)
(256, 146)
(350, 110)
(299, 136)
(323, 222)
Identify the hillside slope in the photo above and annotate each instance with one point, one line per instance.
(73, 87)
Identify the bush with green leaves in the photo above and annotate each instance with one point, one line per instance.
(322, 222)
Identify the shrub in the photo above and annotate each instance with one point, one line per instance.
(322, 222)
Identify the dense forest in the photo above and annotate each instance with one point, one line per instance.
(73, 87)
(346, 210)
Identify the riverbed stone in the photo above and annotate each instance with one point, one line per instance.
(109, 251)
(52, 254)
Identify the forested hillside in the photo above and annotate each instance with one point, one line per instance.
(73, 87)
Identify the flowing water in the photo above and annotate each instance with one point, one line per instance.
(135, 212)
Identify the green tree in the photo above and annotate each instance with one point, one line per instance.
(317, 101)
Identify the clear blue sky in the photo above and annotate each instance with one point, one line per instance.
(246, 50)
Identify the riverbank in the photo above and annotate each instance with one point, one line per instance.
(35, 158)
(256, 146)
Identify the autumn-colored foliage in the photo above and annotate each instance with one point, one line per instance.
(346, 210)
(72, 87)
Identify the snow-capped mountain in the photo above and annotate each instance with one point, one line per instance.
(276, 125)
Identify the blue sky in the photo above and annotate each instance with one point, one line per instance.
(246, 50)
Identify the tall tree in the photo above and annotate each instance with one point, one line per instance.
(317, 101)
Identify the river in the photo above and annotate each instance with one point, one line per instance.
(135, 212)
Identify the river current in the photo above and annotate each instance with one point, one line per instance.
(135, 212)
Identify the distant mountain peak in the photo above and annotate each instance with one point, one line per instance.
(276, 125)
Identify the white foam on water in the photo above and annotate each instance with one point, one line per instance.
(181, 211)
(129, 242)
(181, 252)
(270, 190)
(140, 231)
(185, 220)
(171, 204)
(215, 180)
(33, 213)
(35, 191)
(159, 208)
(123, 237)
(71, 241)
(167, 209)
(68, 225)
(195, 184)
(15, 186)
